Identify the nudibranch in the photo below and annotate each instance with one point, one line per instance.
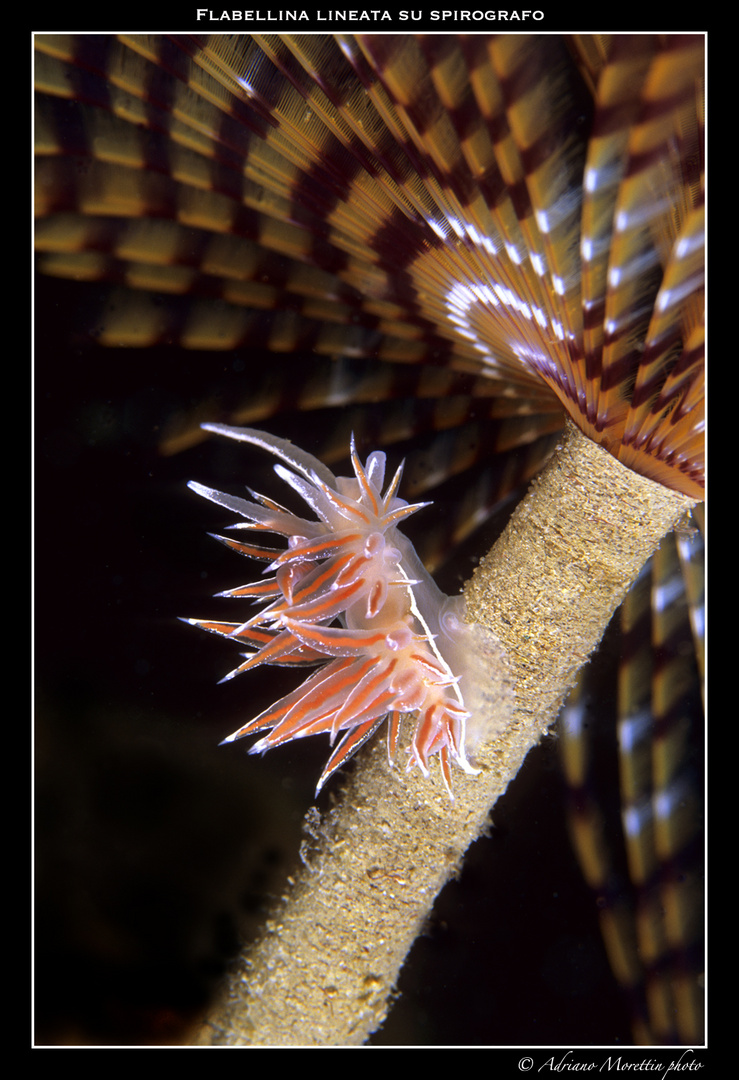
(350, 596)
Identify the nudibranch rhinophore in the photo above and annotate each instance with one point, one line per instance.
(350, 596)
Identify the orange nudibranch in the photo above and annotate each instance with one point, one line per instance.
(350, 596)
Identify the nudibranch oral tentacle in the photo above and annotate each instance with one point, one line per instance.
(348, 593)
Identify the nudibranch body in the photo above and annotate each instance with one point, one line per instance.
(350, 596)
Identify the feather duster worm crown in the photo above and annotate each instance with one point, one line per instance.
(349, 594)
(523, 209)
